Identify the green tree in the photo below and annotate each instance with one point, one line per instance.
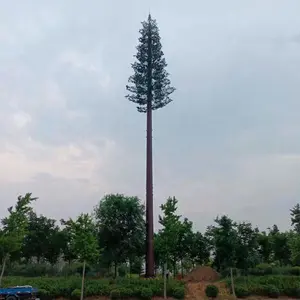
(168, 236)
(200, 249)
(56, 246)
(43, 239)
(273, 230)
(150, 88)
(224, 240)
(158, 254)
(185, 241)
(14, 229)
(66, 235)
(136, 265)
(83, 241)
(294, 246)
(247, 254)
(121, 228)
(264, 247)
(280, 247)
(295, 217)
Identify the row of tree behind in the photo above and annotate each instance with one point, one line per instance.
(113, 236)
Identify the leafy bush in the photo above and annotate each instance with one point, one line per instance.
(44, 294)
(115, 294)
(266, 269)
(212, 291)
(295, 271)
(32, 270)
(146, 293)
(269, 285)
(79, 269)
(178, 292)
(122, 270)
(76, 294)
(242, 291)
(292, 292)
(273, 291)
(262, 270)
(64, 287)
(126, 292)
(235, 272)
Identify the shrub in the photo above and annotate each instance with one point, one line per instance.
(79, 269)
(242, 291)
(266, 269)
(212, 291)
(63, 287)
(292, 292)
(146, 293)
(269, 285)
(273, 291)
(44, 294)
(31, 270)
(295, 271)
(76, 294)
(122, 270)
(126, 292)
(96, 289)
(178, 292)
(115, 294)
(261, 269)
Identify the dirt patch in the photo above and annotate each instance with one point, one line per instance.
(202, 273)
(196, 290)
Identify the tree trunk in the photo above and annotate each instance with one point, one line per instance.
(182, 272)
(129, 268)
(165, 281)
(116, 270)
(232, 284)
(149, 167)
(82, 281)
(3, 268)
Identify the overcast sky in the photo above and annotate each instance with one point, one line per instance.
(229, 143)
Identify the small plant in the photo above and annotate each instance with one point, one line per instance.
(295, 271)
(44, 294)
(76, 294)
(242, 292)
(146, 293)
(212, 291)
(115, 294)
(126, 292)
(273, 291)
(178, 292)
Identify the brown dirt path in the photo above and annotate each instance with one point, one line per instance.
(196, 291)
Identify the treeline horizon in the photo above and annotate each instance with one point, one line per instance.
(60, 220)
(118, 224)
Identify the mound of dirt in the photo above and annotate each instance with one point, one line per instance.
(202, 273)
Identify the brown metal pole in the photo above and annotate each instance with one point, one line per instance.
(149, 197)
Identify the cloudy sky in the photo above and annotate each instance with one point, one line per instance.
(229, 143)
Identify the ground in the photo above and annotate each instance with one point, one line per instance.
(196, 291)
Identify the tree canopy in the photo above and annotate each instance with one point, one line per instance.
(117, 227)
(150, 83)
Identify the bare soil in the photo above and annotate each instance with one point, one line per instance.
(200, 277)
(202, 273)
(196, 291)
